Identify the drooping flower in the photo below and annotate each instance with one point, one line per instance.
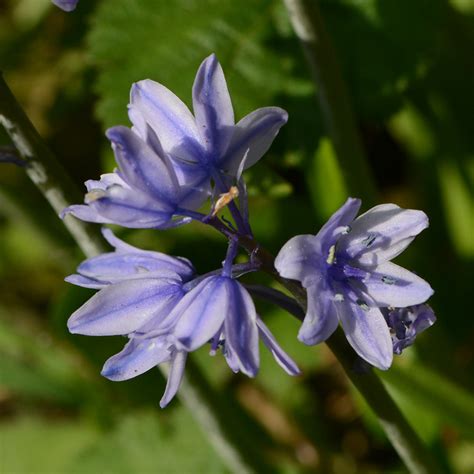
(66, 5)
(348, 275)
(143, 193)
(210, 142)
(166, 312)
(406, 323)
(221, 311)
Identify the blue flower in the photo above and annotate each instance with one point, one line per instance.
(406, 323)
(220, 310)
(210, 142)
(166, 312)
(144, 193)
(66, 5)
(348, 275)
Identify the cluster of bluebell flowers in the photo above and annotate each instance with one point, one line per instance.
(170, 164)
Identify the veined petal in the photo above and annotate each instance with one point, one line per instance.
(240, 328)
(201, 312)
(321, 317)
(141, 167)
(299, 259)
(366, 331)
(382, 233)
(175, 376)
(331, 231)
(85, 213)
(127, 207)
(282, 358)
(122, 308)
(137, 357)
(117, 266)
(253, 135)
(169, 118)
(213, 107)
(392, 285)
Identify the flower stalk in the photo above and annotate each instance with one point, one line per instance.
(333, 97)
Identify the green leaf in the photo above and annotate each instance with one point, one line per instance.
(166, 41)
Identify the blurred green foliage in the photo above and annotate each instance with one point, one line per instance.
(409, 69)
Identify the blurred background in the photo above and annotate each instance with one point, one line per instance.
(409, 68)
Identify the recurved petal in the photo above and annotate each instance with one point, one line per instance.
(141, 167)
(253, 135)
(169, 118)
(282, 358)
(201, 312)
(392, 285)
(85, 213)
(117, 266)
(240, 328)
(366, 331)
(137, 357)
(299, 259)
(85, 282)
(382, 233)
(127, 207)
(212, 106)
(175, 376)
(321, 317)
(122, 308)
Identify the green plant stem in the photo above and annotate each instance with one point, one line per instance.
(54, 183)
(333, 97)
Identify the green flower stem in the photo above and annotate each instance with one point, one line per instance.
(334, 98)
(406, 442)
(54, 183)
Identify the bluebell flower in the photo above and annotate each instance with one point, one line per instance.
(219, 310)
(66, 5)
(210, 143)
(348, 276)
(144, 192)
(406, 323)
(166, 312)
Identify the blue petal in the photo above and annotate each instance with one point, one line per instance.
(85, 282)
(283, 359)
(253, 135)
(175, 376)
(137, 357)
(321, 317)
(366, 331)
(129, 208)
(213, 107)
(201, 312)
(117, 266)
(66, 5)
(333, 228)
(240, 328)
(392, 285)
(382, 233)
(300, 259)
(122, 308)
(169, 118)
(141, 167)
